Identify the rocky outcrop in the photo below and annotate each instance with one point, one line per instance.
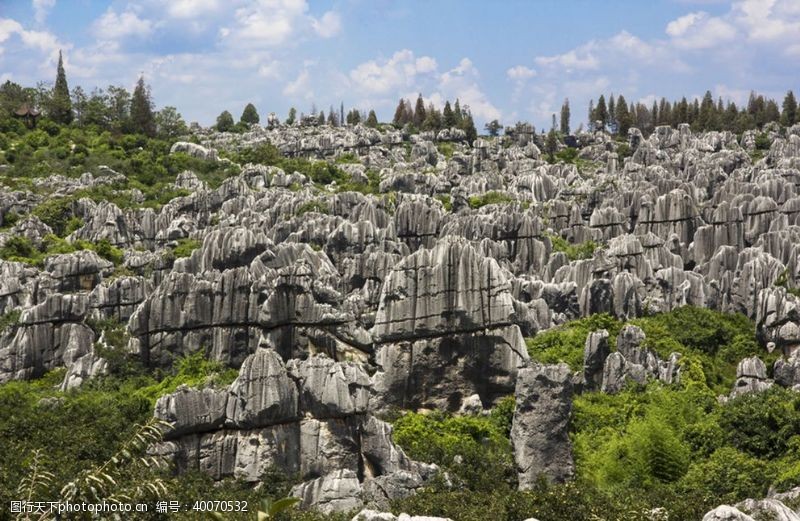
(306, 417)
(540, 428)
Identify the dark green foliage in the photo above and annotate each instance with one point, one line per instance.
(142, 118)
(60, 109)
(493, 128)
(225, 121)
(446, 149)
(491, 197)
(565, 118)
(789, 113)
(623, 151)
(762, 141)
(250, 115)
(762, 424)
(372, 120)
(728, 476)
(316, 205)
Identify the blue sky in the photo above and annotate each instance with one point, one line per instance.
(511, 60)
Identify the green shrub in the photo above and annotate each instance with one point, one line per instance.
(728, 476)
(56, 213)
(762, 141)
(316, 205)
(9, 320)
(492, 197)
(446, 149)
(565, 343)
(483, 450)
(584, 250)
(348, 158)
(193, 370)
(567, 155)
(761, 424)
(446, 201)
(185, 247)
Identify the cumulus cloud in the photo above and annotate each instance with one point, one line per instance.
(461, 82)
(41, 8)
(700, 31)
(400, 71)
(185, 9)
(114, 26)
(300, 87)
(328, 26)
(520, 73)
(43, 41)
(581, 58)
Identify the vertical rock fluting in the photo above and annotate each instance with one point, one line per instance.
(540, 428)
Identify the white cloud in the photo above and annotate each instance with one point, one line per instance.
(461, 82)
(769, 20)
(700, 31)
(41, 8)
(300, 87)
(113, 26)
(581, 58)
(520, 73)
(328, 26)
(191, 8)
(42, 41)
(402, 70)
(268, 22)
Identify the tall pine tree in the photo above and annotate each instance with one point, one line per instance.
(60, 103)
(142, 118)
(789, 114)
(419, 112)
(565, 117)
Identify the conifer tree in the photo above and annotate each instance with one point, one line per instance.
(601, 112)
(565, 117)
(419, 112)
(459, 115)
(468, 126)
(60, 103)
(623, 116)
(142, 117)
(400, 114)
(448, 116)
(789, 114)
(705, 118)
(290, 119)
(250, 115)
(612, 114)
(591, 115)
(372, 119)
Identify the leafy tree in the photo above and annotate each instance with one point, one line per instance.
(789, 114)
(142, 118)
(468, 126)
(292, 116)
(419, 112)
(169, 123)
(493, 127)
(225, 122)
(353, 117)
(372, 119)
(565, 117)
(250, 115)
(60, 102)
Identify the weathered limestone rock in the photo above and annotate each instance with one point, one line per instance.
(540, 428)
(727, 513)
(751, 377)
(595, 353)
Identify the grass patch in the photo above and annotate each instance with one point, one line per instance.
(492, 197)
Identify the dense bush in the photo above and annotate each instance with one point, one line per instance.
(584, 250)
(492, 197)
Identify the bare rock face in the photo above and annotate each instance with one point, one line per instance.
(595, 353)
(194, 150)
(307, 417)
(448, 309)
(751, 377)
(726, 513)
(632, 362)
(540, 428)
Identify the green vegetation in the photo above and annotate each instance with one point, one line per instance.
(185, 247)
(21, 249)
(492, 197)
(446, 201)
(446, 149)
(315, 205)
(584, 250)
(9, 320)
(675, 447)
